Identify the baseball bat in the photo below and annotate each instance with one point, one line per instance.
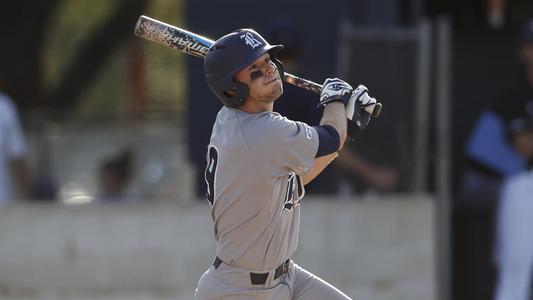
(197, 45)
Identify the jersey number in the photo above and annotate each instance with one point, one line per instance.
(210, 172)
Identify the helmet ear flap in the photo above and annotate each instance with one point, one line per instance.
(237, 95)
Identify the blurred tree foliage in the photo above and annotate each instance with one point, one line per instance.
(80, 59)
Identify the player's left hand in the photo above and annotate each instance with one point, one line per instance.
(356, 110)
(335, 89)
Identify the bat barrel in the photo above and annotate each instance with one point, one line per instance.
(172, 36)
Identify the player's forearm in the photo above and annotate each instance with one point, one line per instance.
(335, 115)
(318, 166)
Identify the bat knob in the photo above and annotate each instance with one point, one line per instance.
(377, 110)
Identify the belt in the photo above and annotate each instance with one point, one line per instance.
(260, 278)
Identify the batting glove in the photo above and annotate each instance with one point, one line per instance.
(335, 89)
(357, 110)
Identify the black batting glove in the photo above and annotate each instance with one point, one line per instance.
(357, 110)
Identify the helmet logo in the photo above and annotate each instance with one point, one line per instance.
(251, 40)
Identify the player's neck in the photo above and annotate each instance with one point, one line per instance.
(254, 107)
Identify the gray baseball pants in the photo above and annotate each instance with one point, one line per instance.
(230, 283)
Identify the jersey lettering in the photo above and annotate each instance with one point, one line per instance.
(210, 172)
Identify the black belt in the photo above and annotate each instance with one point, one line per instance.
(260, 278)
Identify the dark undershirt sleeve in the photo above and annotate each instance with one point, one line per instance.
(328, 140)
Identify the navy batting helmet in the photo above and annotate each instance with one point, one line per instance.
(229, 55)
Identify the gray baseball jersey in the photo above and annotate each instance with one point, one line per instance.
(253, 167)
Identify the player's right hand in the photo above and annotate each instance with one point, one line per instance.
(335, 89)
(357, 112)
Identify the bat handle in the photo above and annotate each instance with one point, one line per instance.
(316, 88)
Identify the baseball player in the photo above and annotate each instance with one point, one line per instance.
(258, 163)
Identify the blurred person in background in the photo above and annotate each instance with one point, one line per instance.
(13, 171)
(299, 105)
(115, 176)
(490, 159)
(514, 234)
